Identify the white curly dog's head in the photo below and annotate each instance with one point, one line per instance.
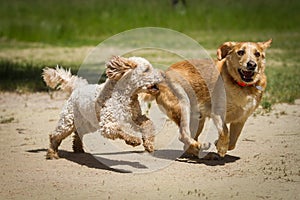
(136, 72)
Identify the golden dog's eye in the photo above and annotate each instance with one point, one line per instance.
(257, 54)
(241, 52)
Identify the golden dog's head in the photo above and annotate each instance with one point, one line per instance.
(245, 60)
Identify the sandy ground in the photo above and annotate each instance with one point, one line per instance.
(265, 164)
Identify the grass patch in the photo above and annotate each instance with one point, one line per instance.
(21, 76)
(283, 82)
(283, 85)
(77, 22)
(36, 33)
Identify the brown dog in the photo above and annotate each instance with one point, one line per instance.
(195, 90)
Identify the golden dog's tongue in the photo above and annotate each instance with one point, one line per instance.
(153, 89)
(246, 75)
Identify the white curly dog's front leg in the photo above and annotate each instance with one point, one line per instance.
(113, 131)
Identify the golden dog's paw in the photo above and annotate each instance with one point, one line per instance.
(193, 148)
(212, 156)
(222, 146)
(231, 147)
(196, 147)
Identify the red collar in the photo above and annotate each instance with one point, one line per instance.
(243, 84)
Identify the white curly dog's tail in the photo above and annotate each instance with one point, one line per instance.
(62, 79)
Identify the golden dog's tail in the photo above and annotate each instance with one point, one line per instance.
(62, 79)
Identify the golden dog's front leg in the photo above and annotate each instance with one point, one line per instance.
(222, 143)
(235, 131)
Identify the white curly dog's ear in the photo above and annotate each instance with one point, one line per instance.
(118, 66)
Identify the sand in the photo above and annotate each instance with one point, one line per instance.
(264, 165)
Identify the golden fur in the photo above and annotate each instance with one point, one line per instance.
(192, 88)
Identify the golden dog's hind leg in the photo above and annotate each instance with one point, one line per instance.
(191, 143)
(191, 146)
(203, 146)
(200, 128)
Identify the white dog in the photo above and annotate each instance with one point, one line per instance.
(111, 108)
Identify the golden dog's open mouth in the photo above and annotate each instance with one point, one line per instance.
(152, 88)
(246, 75)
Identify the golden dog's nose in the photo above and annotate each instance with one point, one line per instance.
(251, 65)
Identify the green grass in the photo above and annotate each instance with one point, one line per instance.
(283, 81)
(77, 22)
(283, 84)
(34, 24)
(20, 77)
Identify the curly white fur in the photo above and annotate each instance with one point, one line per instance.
(62, 79)
(111, 108)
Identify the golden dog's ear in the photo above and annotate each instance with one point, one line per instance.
(265, 44)
(224, 50)
(118, 66)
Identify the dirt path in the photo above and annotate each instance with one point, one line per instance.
(265, 165)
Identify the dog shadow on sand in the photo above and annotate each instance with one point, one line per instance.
(89, 160)
(85, 159)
